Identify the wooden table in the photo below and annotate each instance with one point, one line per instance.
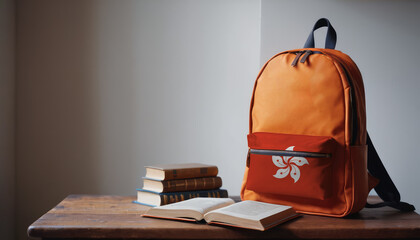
(116, 217)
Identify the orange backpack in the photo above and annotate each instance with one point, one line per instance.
(307, 134)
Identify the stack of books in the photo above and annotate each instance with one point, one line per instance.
(170, 183)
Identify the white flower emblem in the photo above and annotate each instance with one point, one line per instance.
(288, 165)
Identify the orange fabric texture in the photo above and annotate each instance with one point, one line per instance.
(319, 98)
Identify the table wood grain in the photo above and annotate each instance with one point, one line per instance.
(116, 217)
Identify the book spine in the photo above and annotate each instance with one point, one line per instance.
(192, 184)
(191, 173)
(167, 198)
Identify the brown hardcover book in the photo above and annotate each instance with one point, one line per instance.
(154, 199)
(181, 185)
(180, 171)
(247, 214)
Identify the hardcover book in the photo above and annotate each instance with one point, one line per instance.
(182, 185)
(224, 211)
(180, 171)
(154, 199)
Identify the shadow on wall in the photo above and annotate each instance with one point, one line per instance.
(106, 88)
(58, 125)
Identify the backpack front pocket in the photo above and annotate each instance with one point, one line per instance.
(291, 165)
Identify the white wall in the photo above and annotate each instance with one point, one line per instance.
(382, 37)
(7, 119)
(106, 87)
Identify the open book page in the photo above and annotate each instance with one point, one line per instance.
(192, 208)
(251, 215)
(252, 210)
(201, 205)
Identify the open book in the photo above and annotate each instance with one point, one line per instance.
(246, 214)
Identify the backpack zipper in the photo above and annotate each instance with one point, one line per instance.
(305, 54)
(295, 61)
(354, 125)
(289, 153)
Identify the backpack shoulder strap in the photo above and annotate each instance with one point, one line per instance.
(386, 189)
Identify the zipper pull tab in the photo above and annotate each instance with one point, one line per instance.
(307, 53)
(295, 61)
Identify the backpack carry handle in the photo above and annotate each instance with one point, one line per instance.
(331, 38)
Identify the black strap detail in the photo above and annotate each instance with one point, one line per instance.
(386, 189)
(331, 38)
(402, 206)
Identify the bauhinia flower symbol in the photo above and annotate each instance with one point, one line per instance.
(288, 164)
